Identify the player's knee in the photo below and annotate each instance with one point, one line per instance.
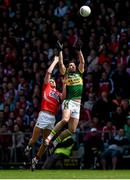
(64, 121)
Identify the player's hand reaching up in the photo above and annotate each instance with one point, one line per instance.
(56, 59)
(59, 45)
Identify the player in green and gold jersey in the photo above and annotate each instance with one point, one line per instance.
(71, 105)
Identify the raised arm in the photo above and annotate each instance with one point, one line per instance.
(81, 61)
(63, 94)
(50, 69)
(77, 46)
(62, 67)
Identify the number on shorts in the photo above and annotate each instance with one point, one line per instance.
(66, 104)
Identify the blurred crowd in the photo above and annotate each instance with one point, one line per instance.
(28, 33)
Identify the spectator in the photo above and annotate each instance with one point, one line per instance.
(115, 150)
(61, 9)
(108, 132)
(89, 84)
(88, 105)
(121, 80)
(92, 61)
(5, 143)
(96, 123)
(118, 118)
(102, 108)
(18, 144)
(93, 148)
(1, 103)
(106, 84)
(127, 127)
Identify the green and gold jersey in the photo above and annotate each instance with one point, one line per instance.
(74, 85)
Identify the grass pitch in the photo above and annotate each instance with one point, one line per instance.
(65, 174)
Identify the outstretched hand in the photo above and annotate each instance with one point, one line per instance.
(56, 59)
(59, 45)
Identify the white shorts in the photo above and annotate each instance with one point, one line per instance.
(73, 106)
(45, 120)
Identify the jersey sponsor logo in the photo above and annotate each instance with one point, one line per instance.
(54, 95)
(74, 80)
(66, 104)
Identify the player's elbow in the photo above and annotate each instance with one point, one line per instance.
(64, 121)
(48, 72)
(62, 72)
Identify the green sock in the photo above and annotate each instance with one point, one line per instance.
(51, 135)
(56, 141)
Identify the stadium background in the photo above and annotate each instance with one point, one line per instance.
(28, 33)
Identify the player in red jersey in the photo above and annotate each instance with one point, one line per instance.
(51, 99)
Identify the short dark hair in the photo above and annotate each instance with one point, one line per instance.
(72, 61)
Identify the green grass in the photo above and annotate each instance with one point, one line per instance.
(65, 174)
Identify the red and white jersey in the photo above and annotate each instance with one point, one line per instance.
(50, 98)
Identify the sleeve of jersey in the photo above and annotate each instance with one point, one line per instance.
(45, 86)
